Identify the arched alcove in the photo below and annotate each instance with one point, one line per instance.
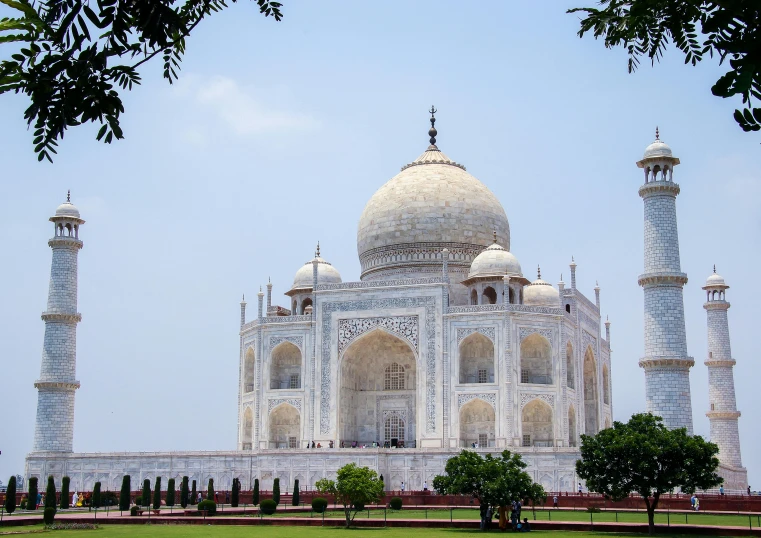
(378, 376)
(285, 367)
(489, 296)
(476, 359)
(473, 297)
(590, 393)
(394, 428)
(284, 427)
(536, 360)
(572, 426)
(247, 436)
(569, 370)
(605, 385)
(477, 424)
(306, 302)
(536, 424)
(248, 371)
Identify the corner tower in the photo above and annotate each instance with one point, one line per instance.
(54, 427)
(666, 363)
(723, 412)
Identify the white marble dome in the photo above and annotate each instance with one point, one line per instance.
(657, 149)
(433, 203)
(541, 293)
(715, 281)
(326, 274)
(495, 261)
(67, 209)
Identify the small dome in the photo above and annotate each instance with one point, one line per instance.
(715, 281)
(541, 293)
(67, 209)
(495, 261)
(658, 148)
(326, 274)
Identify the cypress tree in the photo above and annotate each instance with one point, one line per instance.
(235, 497)
(96, 495)
(65, 492)
(276, 491)
(157, 494)
(184, 492)
(255, 500)
(193, 494)
(124, 495)
(145, 500)
(295, 500)
(210, 491)
(31, 503)
(170, 492)
(50, 494)
(10, 496)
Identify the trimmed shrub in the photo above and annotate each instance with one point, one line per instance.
(235, 497)
(208, 505)
(319, 504)
(395, 503)
(194, 494)
(170, 492)
(295, 498)
(133, 511)
(276, 491)
(210, 490)
(96, 497)
(157, 494)
(10, 496)
(65, 492)
(139, 500)
(31, 503)
(48, 515)
(184, 492)
(268, 507)
(145, 498)
(125, 493)
(255, 500)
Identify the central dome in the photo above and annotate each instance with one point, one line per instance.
(432, 204)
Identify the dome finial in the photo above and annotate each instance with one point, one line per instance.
(538, 273)
(714, 268)
(317, 252)
(495, 236)
(657, 133)
(432, 131)
(68, 195)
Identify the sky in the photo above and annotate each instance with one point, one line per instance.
(275, 137)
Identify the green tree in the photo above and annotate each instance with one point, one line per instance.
(170, 495)
(10, 496)
(731, 29)
(295, 498)
(65, 492)
(255, 499)
(276, 491)
(72, 58)
(50, 494)
(157, 494)
(235, 497)
(31, 503)
(145, 498)
(125, 493)
(354, 488)
(194, 494)
(210, 490)
(96, 501)
(184, 492)
(643, 456)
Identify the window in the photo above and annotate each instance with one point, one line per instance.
(294, 381)
(483, 440)
(713, 407)
(524, 376)
(394, 377)
(482, 376)
(292, 443)
(394, 427)
(568, 308)
(527, 440)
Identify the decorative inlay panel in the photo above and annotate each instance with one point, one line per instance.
(549, 398)
(405, 327)
(588, 340)
(380, 283)
(274, 402)
(488, 332)
(488, 397)
(587, 319)
(505, 308)
(547, 333)
(298, 341)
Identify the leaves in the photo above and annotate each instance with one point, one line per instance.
(731, 29)
(354, 487)
(74, 57)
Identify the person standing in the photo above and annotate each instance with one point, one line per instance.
(697, 504)
(579, 488)
(402, 487)
(721, 490)
(425, 486)
(489, 515)
(554, 501)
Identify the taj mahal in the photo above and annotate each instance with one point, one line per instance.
(446, 342)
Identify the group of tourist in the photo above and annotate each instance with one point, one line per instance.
(487, 514)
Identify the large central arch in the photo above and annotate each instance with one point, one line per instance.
(284, 427)
(477, 424)
(590, 393)
(536, 424)
(377, 391)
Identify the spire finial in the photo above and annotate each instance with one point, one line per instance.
(269, 280)
(657, 133)
(432, 131)
(538, 273)
(714, 268)
(68, 195)
(495, 236)
(317, 252)
(561, 277)
(244, 298)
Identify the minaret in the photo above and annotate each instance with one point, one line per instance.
(666, 364)
(723, 412)
(54, 427)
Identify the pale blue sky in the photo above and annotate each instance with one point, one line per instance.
(278, 134)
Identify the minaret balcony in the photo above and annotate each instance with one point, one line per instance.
(649, 279)
(64, 317)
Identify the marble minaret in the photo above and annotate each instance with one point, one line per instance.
(666, 364)
(54, 427)
(723, 413)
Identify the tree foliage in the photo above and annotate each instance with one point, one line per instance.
(170, 494)
(125, 493)
(193, 494)
(354, 488)
(10, 496)
(730, 29)
(276, 491)
(643, 456)
(491, 481)
(65, 482)
(50, 494)
(31, 503)
(157, 494)
(96, 497)
(295, 498)
(235, 496)
(255, 499)
(210, 490)
(72, 58)
(184, 492)
(145, 499)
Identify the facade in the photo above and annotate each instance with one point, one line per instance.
(442, 344)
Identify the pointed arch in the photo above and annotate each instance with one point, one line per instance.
(247, 436)
(591, 397)
(477, 424)
(306, 302)
(536, 424)
(473, 297)
(569, 369)
(285, 366)
(572, 436)
(248, 370)
(536, 360)
(489, 295)
(476, 359)
(284, 426)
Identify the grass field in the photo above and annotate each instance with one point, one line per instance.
(223, 531)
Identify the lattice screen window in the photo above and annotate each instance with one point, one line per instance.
(394, 377)
(394, 427)
(527, 440)
(524, 376)
(292, 443)
(294, 382)
(482, 376)
(483, 440)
